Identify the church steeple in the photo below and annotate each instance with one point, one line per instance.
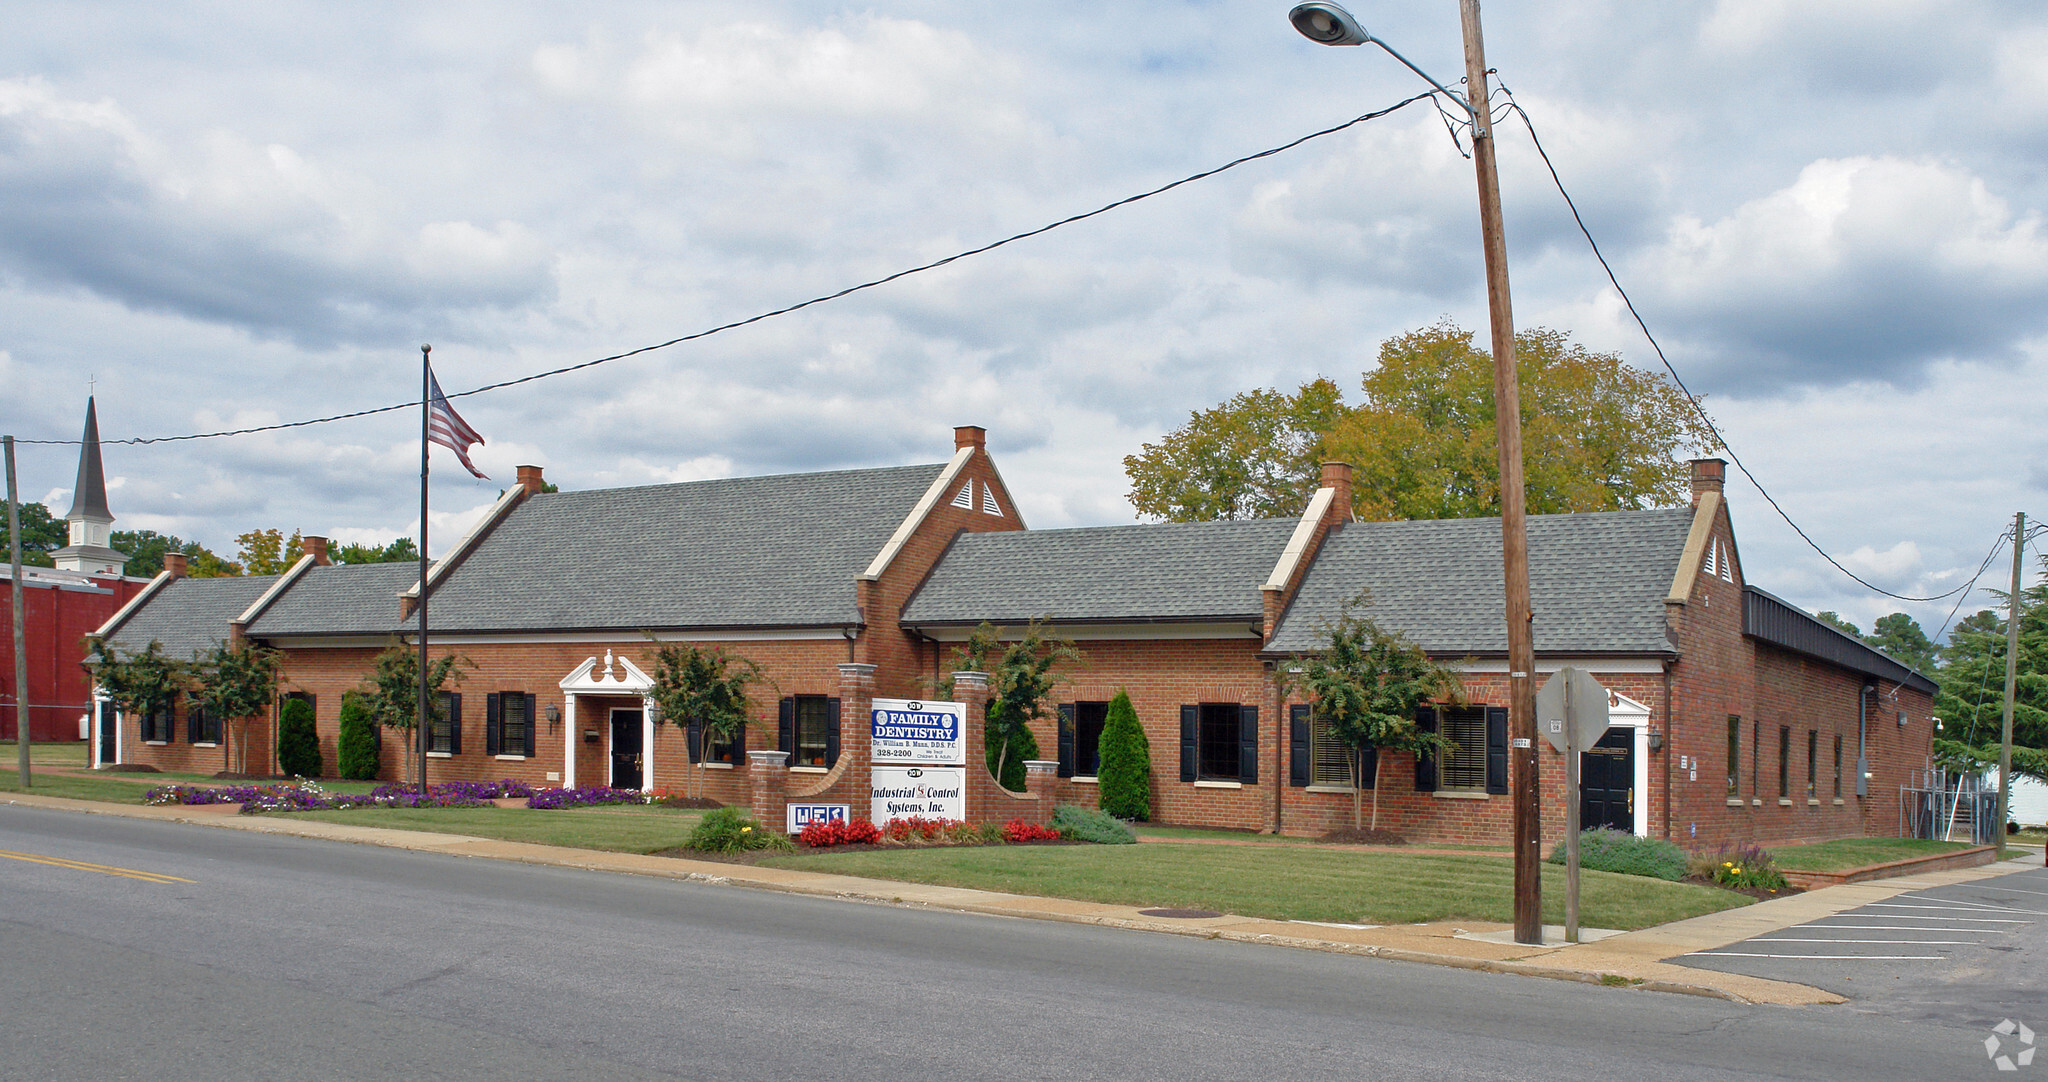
(90, 521)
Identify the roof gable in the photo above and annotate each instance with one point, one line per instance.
(339, 599)
(188, 616)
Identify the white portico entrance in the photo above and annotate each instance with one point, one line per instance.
(613, 678)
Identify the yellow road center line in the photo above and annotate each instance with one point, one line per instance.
(103, 869)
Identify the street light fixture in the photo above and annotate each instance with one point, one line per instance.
(1330, 24)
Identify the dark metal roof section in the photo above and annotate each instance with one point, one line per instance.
(1179, 571)
(1780, 623)
(89, 495)
(1597, 580)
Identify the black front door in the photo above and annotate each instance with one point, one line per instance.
(626, 749)
(1607, 778)
(106, 713)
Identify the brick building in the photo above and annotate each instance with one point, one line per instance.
(1737, 717)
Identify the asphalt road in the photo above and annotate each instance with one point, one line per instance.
(135, 949)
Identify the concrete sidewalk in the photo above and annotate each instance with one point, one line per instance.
(1631, 959)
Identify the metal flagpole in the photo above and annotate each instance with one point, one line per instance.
(21, 728)
(419, 724)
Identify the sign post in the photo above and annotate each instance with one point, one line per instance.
(1571, 710)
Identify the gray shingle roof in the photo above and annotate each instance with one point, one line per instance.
(1596, 581)
(189, 616)
(341, 599)
(1169, 571)
(778, 551)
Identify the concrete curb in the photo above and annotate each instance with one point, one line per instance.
(1628, 960)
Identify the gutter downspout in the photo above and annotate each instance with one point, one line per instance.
(1862, 738)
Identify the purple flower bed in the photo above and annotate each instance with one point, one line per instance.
(308, 796)
(584, 797)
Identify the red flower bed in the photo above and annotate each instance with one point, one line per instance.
(825, 835)
(1017, 830)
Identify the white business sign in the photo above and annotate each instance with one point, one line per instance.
(914, 731)
(800, 816)
(927, 792)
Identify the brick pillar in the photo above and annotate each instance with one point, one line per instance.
(856, 703)
(971, 689)
(768, 771)
(1040, 778)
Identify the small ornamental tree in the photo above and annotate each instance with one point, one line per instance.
(1365, 684)
(237, 682)
(393, 694)
(298, 742)
(139, 684)
(355, 748)
(704, 689)
(1124, 780)
(1019, 682)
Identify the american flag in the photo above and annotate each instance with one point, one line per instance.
(447, 428)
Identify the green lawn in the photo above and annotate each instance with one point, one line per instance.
(1279, 883)
(620, 828)
(1845, 853)
(70, 753)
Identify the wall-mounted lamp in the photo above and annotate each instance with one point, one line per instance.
(554, 716)
(654, 712)
(1656, 740)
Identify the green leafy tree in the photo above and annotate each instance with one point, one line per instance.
(268, 552)
(1971, 678)
(1020, 682)
(355, 749)
(1834, 620)
(1124, 779)
(702, 688)
(41, 535)
(1900, 636)
(145, 550)
(392, 695)
(1598, 435)
(1365, 685)
(1258, 455)
(298, 741)
(235, 683)
(402, 550)
(139, 683)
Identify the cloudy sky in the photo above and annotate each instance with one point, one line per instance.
(230, 214)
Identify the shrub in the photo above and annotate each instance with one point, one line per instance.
(1607, 850)
(1087, 825)
(1124, 780)
(1743, 868)
(730, 830)
(918, 828)
(819, 835)
(298, 745)
(1017, 830)
(356, 747)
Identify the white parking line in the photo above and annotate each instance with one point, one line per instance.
(1826, 957)
(1966, 920)
(1896, 928)
(1894, 942)
(1973, 908)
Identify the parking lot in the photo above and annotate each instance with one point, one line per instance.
(1967, 954)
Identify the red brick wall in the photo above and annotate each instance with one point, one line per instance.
(55, 622)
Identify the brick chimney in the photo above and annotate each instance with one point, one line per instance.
(1708, 475)
(316, 547)
(1337, 475)
(174, 562)
(530, 480)
(973, 436)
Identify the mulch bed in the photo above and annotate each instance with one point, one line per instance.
(1363, 837)
(704, 802)
(1758, 893)
(130, 768)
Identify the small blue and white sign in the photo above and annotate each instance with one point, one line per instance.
(803, 815)
(915, 731)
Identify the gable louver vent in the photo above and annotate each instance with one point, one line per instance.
(989, 506)
(965, 500)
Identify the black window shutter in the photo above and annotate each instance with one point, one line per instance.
(532, 726)
(739, 744)
(1190, 742)
(785, 726)
(1066, 740)
(1297, 744)
(1497, 750)
(192, 723)
(1425, 763)
(1248, 744)
(493, 725)
(455, 723)
(1368, 767)
(831, 733)
(696, 741)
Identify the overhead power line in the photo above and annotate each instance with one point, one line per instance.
(800, 305)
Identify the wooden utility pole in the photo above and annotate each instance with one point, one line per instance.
(21, 728)
(1514, 535)
(2012, 671)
